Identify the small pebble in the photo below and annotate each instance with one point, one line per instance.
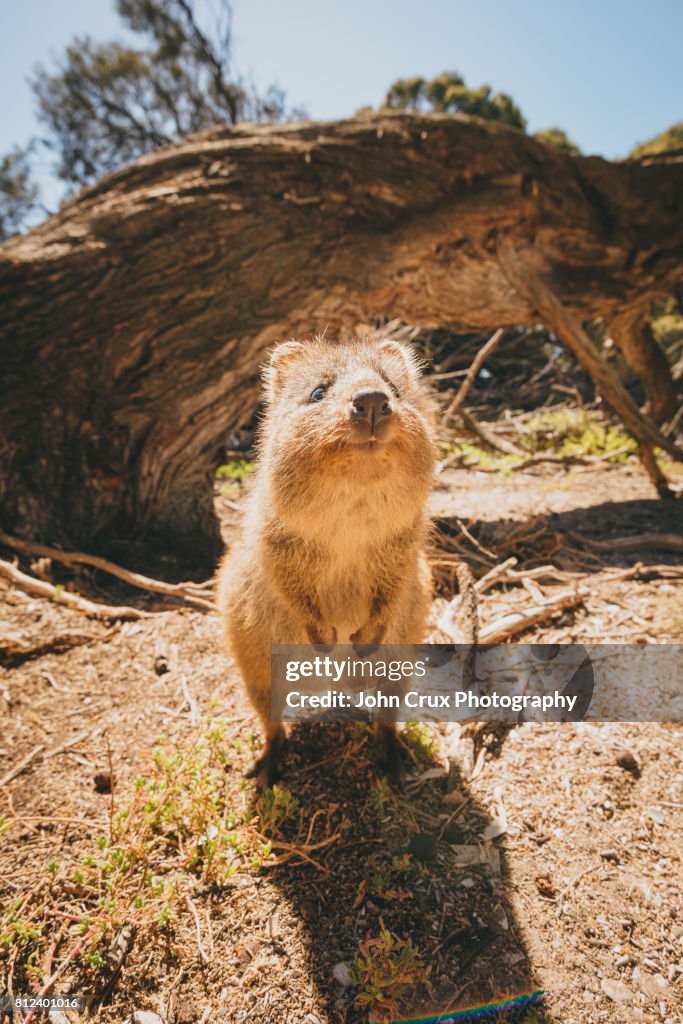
(629, 763)
(616, 990)
(341, 973)
(103, 782)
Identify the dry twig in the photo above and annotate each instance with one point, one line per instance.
(490, 439)
(24, 763)
(14, 652)
(471, 375)
(518, 622)
(663, 541)
(66, 598)
(193, 910)
(191, 593)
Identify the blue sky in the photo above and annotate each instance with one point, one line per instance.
(608, 71)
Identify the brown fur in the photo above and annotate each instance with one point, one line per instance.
(332, 543)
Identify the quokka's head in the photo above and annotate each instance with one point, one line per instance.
(359, 405)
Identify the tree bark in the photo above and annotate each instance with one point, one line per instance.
(607, 381)
(632, 333)
(136, 318)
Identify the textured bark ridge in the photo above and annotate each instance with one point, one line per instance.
(134, 321)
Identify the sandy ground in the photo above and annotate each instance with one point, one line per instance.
(575, 889)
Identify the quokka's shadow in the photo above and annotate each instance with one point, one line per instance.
(408, 861)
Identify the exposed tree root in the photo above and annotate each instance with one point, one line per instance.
(191, 593)
(66, 598)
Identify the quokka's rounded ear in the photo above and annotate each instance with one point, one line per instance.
(403, 356)
(280, 357)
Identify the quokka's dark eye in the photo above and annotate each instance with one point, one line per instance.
(318, 394)
(393, 388)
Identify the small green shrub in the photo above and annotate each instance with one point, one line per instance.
(386, 968)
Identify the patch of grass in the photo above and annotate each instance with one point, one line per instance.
(569, 431)
(177, 826)
(419, 737)
(178, 830)
(385, 969)
(381, 794)
(667, 327)
(235, 469)
(230, 477)
(386, 879)
(475, 455)
(559, 431)
(276, 807)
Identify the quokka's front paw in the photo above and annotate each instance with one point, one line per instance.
(322, 636)
(266, 769)
(367, 639)
(393, 760)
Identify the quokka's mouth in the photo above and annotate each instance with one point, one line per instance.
(367, 443)
(368, 446)
(363, 438)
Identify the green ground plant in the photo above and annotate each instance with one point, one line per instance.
(231, 476)
(421, 740)
(276, 807)
(385, 969)
(177, 827)
(562, 431)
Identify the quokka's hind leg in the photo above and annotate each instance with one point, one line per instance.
(248, 647)
(266, 767)
(393, 753)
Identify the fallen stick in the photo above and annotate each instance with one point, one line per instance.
(14, 653)
(122, 945)
(69, 743)
(647, 572)
(190, 701)
(451, 613)
(515, 622)
(473, 540)
(664, 541)
(499, 444)
(557, 460)
(456, 459)
(571, 460)
(549, 573)
(494, 575)
(470, 377)
(41, 588)
(200, 948)
(24, 763)
(191, 593)
(518, 622)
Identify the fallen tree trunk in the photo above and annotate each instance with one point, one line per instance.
(136, 318)
(569, 330)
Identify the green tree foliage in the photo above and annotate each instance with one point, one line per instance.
(447, 93)
(18, 193)
(557, 139)
(106, 104)
(669, 140)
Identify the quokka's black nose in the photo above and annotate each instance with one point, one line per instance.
(370, 404)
